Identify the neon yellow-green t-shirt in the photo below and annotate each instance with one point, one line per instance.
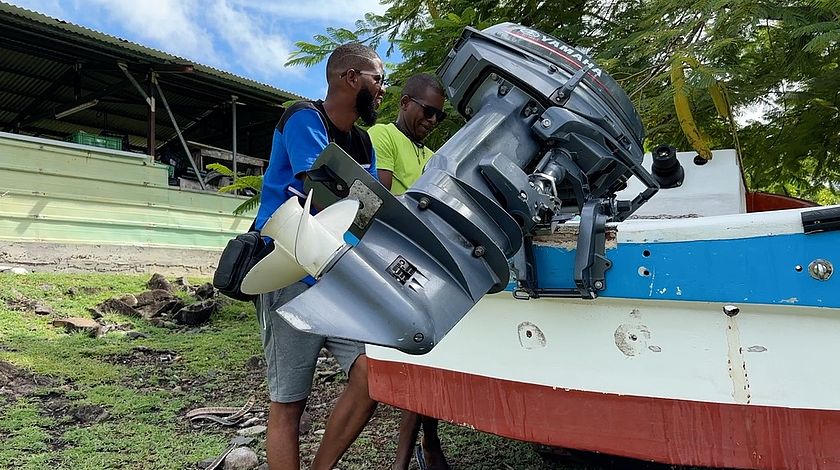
(398, 154)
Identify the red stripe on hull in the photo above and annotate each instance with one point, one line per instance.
(670, 431)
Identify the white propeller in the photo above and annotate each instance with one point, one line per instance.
(303, 243)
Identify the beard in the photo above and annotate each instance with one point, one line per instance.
(366, 106)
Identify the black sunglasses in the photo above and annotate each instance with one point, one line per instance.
(429, 111)
(378, 79)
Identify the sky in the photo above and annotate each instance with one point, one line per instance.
(251, 38)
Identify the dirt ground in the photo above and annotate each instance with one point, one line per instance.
(119, 398)
(374, 449)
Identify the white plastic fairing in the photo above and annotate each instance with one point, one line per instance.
(302, 244)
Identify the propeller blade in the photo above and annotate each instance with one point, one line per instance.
(338, 217)
(317, 243)
(279, 268)
(276, 271)
(302, 243)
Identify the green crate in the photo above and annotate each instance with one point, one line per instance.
(82, 137)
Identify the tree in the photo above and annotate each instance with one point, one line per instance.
(251, 185)
(782, 54)
(424, 31)
(689, 62)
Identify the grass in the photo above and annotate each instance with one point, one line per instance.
(146, 385)
(144, 429)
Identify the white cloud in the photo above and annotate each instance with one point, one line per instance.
(251, 43)
(170, 25)
(332, 12)
(48, 7)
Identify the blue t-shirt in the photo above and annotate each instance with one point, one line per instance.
(294, 151)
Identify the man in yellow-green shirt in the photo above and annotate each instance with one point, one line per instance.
(400, 159)
(400, 153)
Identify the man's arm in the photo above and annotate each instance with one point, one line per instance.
(385, 177)
(385, 154)
(305, 138)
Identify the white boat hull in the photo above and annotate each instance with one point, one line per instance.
(711, 345)
(696, 387)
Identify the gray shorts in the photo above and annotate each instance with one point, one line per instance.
(290, 354)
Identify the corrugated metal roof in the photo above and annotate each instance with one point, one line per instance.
(48, 65)
(148, 51)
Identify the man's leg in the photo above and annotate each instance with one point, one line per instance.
(432, 452)
(352, 412)
(409, 428)
(282, 442)
(290, 357)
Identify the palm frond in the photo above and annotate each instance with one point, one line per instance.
(244, 182)
(248, 205)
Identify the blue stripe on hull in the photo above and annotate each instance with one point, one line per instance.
(752, 270)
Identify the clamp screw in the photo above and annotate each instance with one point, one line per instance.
(423, 203)
(546, 123)
(418, 338)
(479, 251)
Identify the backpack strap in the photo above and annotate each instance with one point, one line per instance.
(316, 106)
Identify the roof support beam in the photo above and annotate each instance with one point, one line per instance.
(150, 123)
(84, 99)
(178, 131)
(44, 95)
(233, 135)
(150, 133)
(149, 101)
(194, 121)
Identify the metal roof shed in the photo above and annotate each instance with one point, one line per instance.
(57, 78)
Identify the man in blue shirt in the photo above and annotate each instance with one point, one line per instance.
(355, 78)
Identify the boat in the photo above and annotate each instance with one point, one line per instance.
(712, 344)
(547, 281)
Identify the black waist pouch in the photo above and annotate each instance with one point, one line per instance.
(238, 257)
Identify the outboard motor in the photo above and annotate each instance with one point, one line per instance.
(549, 136)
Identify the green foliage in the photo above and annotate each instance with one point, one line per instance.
(144, 429)
(782, 54)
(25, 439)
(105, 445)
(310, 54)
(252, 183)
